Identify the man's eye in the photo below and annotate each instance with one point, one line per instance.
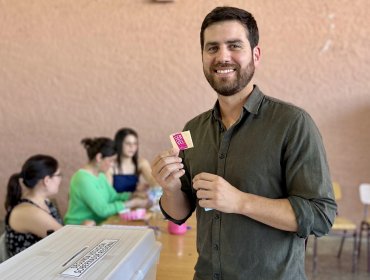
(212, 49)
(235, 46)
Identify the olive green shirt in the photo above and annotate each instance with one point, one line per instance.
(274, 150)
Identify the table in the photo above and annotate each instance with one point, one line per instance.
(178, 255)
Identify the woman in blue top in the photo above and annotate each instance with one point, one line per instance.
(129, 167)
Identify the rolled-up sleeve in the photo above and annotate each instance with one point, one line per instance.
(308, 180)
(186, 188)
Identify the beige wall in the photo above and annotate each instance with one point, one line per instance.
(71, 69)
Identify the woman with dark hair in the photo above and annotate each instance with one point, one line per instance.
(91, 196)
(128, 167)
(30, 216)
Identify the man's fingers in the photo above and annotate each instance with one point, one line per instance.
(204, 194)
(206, 203)
(165, 154)
(200, 184)
(175, 175)
(205, 176)
(168, 169)
(164, 161)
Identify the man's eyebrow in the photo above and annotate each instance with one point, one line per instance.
(211, 44)
(215, 43)
(234, 41)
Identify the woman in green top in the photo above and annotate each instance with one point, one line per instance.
(91, 197)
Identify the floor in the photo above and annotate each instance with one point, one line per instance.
(329, 266)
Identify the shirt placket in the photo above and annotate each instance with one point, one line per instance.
(225, 136)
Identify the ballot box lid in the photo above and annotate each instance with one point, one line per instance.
(88, 252)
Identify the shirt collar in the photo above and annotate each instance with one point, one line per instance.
(252, 105)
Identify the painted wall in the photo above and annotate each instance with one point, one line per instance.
(71, 69)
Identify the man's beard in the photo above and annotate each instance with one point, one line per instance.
(226, 86)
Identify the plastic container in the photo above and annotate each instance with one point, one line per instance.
(132, 215)
(177, 229)
(133, 257)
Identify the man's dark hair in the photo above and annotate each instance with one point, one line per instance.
(230, 13)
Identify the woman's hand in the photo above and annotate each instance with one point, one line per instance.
(140, 194)
(89, 223)
(138, 203)
(142, 187)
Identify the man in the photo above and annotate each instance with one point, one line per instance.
(257, 162)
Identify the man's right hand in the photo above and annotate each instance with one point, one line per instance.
(167, 168)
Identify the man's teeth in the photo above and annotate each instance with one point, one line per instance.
(225, 71)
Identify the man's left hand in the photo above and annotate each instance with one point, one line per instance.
(215, 192)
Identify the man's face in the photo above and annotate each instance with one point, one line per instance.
(227, 57)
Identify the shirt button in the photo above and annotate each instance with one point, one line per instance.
(217, 216)
(216, 275)
(222, 156)
(215, 247)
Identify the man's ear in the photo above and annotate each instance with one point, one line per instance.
(256, 55)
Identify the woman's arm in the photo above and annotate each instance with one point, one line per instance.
(146, 171)
(100, 200)
(27, 218)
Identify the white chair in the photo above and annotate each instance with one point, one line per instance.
(365, 223)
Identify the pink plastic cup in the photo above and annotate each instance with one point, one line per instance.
(177, 229)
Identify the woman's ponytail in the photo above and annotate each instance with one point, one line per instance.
(14, 192)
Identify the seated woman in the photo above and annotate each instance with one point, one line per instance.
(30, 215)
(128, 168)
(91, 197)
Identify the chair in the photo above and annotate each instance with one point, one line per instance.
(365, 223)
(4, 255)
(342, 227)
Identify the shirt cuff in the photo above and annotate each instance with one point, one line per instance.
(304, 215)
(168, 217)
(120, 206)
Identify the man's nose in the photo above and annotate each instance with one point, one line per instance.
(223, 55)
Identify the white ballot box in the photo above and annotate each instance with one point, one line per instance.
(81, 252)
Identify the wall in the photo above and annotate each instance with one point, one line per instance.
(71, 69)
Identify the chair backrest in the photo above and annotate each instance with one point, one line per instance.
(4, 255)
(337, 191)
(365, 193)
